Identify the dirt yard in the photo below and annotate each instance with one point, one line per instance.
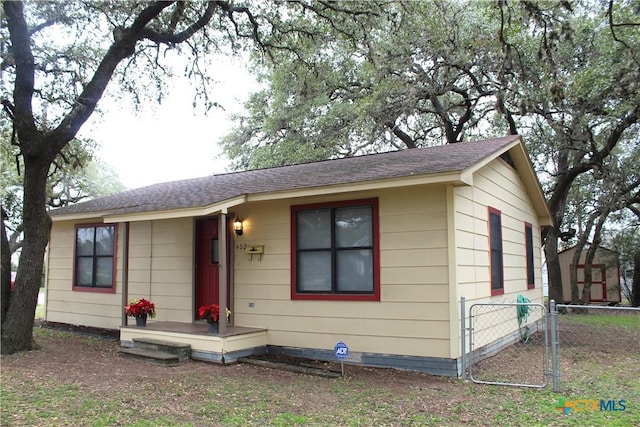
(79, 379)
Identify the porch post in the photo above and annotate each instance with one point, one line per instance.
(125, 273)
(222, 279)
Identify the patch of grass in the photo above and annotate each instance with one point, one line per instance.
(631, 321)
(288, 419)
(40, 404)
(78, 380)
(48, 333)
(39, 311)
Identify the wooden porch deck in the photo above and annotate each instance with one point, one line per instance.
(195, 328)
(236, 342)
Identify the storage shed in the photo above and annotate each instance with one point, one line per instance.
(605, 286)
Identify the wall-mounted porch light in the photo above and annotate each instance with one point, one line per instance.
(237, 226)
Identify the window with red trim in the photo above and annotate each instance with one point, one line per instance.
(94, 256)
(528, 239)
(495, 247)
(334, 249)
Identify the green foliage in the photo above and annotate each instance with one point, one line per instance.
(74, 176)
(437, 72)
(411, 77)
(565, 75)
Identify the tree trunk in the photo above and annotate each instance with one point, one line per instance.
(588, 272)
(575, 261)
(635, 286)
(573, 274)
(5, 280)
(554, 273)
(585, 298)
(591, 255)
(582, 242)
(17, 328)
(557, 205)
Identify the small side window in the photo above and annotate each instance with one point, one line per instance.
(496, 255)
(528, 238)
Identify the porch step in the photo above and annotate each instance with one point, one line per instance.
(161, 352)
(151, 356)
(183, 351)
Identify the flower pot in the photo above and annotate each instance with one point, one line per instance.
(141, 320)
(213, 327)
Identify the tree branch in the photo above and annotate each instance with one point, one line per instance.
(612, 27)
(123, 46)
(168, 38)
(404, 137)
(25, 73)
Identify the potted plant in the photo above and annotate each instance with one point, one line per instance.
(140, 309)
(211, 313)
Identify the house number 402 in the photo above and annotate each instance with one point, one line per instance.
(241, 246)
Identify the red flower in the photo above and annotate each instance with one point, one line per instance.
(140, 307)
(210, 312)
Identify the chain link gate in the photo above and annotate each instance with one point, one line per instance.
(514, 336)
(590, 332)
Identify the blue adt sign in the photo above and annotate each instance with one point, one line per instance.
(341, 350)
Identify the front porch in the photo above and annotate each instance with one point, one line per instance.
(224, 348)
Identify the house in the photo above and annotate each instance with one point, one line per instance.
(605, 282)
(375, 251)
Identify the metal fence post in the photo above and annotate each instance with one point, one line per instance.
(463, 338)
(555, 374)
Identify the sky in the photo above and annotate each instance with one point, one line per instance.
(170, 141)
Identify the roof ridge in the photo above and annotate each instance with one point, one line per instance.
(214, 188)
(359, 156)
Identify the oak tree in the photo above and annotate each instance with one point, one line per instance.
(58, 60)
(565, 75)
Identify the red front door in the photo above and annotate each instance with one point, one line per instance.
(207, 266)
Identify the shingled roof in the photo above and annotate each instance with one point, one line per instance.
(205, 191)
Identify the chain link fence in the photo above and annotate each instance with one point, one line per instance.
(598, 342)
(521, 344)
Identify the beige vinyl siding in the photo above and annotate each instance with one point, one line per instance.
(160, 269)
(64, 305)
(496, 185)
(161, 266)
(412, 317)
